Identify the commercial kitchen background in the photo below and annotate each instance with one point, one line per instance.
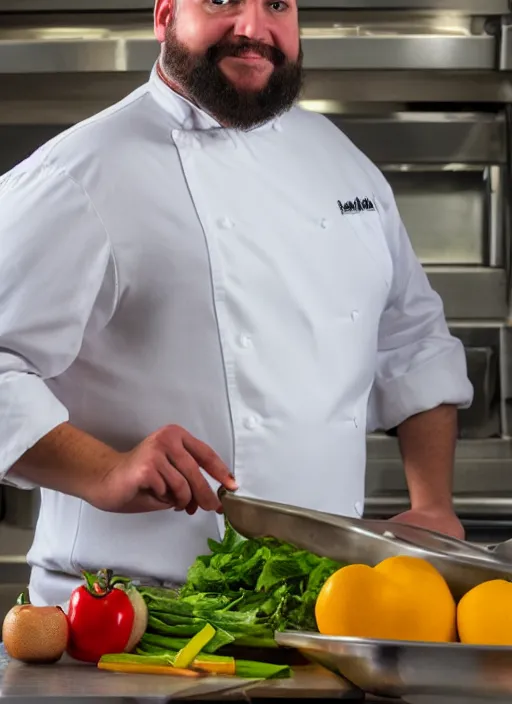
(424, 87)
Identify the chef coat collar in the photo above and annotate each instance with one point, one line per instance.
(190, 116)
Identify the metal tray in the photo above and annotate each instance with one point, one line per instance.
(402, 668)
(355, 540)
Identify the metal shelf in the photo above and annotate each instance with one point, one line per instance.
(344, 53)
(484, 7)
(401, 52)
(471, 293)
(466, 7)
(427, 138)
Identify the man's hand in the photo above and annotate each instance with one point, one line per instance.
(441, 520)
(162, 472)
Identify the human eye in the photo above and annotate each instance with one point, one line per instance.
(278, 6)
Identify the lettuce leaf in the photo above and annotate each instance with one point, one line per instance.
(245, 588)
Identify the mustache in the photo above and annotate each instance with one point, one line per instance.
(223, 49)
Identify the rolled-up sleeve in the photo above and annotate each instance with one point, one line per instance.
(54, 255)
(420, 364)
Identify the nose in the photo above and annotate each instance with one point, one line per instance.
(251, 22)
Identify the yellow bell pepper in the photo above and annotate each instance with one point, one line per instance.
(402, 598)
(484, 614)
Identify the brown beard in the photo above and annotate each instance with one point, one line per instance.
(205, 84)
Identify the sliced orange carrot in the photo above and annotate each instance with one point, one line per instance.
(137, 669)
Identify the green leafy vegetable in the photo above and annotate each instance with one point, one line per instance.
(245, 589)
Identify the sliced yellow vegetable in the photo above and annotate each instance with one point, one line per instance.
(135, 669)
(189, 653)
(215, 668)
(212, 664)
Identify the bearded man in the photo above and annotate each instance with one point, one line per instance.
(206, 285)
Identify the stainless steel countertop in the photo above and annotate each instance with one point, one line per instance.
(76, 682)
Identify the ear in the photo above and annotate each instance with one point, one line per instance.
(162, 16)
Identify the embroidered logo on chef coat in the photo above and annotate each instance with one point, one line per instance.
(356, 206)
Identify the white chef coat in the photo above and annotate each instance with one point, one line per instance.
(257, 288)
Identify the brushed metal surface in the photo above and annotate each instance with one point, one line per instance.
(57, 100)
(402, 669)
(361, 540)
(75, 6)
(29, 116)
(396, 53)
(445, 214)
(497, 190)
(485, 7)
(398, 88)
(471, 293)
(425, 138)
(485, 508)
(38, 51)
(72, 682)
(506, 379)
(505, 59)
(21, 507)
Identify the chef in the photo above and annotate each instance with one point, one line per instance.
(205, 285)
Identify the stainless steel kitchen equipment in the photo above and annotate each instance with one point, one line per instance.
(406, 669)
(77, 683)
(424, 87)
(365, 541)
(73, 681)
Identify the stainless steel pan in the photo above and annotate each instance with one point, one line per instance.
(407, 669)
(350, 540)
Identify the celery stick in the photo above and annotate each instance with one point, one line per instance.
(250, 669)
(120, 658)
(151, 651)
(147, 649)
(220, 639)
(163, 641)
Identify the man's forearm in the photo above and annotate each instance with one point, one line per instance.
(427, 444)
(66, 460)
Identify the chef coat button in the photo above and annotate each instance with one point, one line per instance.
(226, 223)
(245, 341)
(358, 507)
(354, 315)
(277, 126)
(356, 422)
(251, 423)
(324, 223)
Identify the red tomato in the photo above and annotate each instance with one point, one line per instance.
(100, 619)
